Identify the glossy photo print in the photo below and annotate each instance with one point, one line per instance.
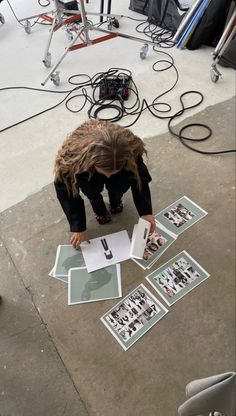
(66, 258)
(177, 277)
(156, 244)
(180, 215)
(131, 318)
(90, 287)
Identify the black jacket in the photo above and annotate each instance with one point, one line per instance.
(74, 208)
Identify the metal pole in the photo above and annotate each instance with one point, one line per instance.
(84, 21)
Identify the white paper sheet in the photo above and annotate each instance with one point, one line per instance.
(106, 250)
(139, 238)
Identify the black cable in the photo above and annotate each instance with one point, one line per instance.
(183, 138)
(161, 37)
(41, 112)
(34, 23)
(44, 4)
(97, 105)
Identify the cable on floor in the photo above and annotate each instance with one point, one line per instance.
(89, 91)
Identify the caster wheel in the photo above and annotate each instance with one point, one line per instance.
(143, 52)
(215, 73)
(55, 78)
(214, 76)
(28, 28)
(115, 23)
(69, 36)
(2, 19)
(48, 60)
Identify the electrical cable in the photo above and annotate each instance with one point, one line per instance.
(158, 109)
(34, 23)
(48, 2)
(41, 112)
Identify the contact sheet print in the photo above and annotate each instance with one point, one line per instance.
(177, 277)
(171, 222)
(132, 317)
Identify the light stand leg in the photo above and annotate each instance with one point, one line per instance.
(61, 58)
(84, 21)
(47, 56)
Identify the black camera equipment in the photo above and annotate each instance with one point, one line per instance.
(115, 87)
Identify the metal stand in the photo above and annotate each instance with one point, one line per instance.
(83, 36)
(222, 45)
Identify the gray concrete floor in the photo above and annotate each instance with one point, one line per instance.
(60, 360)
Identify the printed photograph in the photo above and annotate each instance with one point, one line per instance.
(177, 277)
(132, 317)
(156, 244)
(155, 241)
(66, 258)
(98, 285)
(180, 215)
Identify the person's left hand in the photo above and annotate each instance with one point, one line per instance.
(151, 219)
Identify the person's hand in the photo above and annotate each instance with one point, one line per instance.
(151, 219)
(77, 238)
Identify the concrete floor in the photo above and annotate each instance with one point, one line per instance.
(60, 360)
(37, 141)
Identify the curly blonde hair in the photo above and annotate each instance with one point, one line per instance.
(97, 144)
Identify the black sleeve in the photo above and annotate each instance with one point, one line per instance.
(142, 198)
(73, 208)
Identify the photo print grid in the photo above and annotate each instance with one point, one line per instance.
(180, 215)
(157, 243)
(177, 277)
(133, 316)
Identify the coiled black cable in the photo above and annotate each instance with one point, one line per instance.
(157, 108)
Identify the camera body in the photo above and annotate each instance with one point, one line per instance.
(115, 87)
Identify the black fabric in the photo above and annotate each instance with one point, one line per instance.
(210, 28)
(166, 14)
(140, 6)
(116, 185)
(229, 56)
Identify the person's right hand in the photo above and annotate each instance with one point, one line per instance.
(77, 238)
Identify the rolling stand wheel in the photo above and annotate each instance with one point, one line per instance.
(55, 78)
(69, 35)
(27, 27)
(2, 19)
(48, 60)
(112, 21)
(143, 51)
(215, 73)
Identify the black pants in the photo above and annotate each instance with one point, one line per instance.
(115, 186)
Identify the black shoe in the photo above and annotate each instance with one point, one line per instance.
(103, 219)
(117, 209)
